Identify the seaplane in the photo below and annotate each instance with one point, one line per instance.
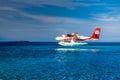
(75, 39)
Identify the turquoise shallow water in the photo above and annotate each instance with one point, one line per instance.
(50, 61)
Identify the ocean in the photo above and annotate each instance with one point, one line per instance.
(50, 61)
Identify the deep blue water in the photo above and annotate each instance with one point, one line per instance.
(49, 61)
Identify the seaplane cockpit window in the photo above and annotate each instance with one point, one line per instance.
(69, 35)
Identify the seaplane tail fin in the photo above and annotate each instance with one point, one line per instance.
(96, 34)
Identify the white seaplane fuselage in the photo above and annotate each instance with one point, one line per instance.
(71, 42)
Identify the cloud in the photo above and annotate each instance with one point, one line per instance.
(6, 8)
(106, 17)
(7, 13)
(70, 4)
(12, 13)
(53, 19)
(112, 16)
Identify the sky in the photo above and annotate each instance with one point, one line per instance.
(43, 20)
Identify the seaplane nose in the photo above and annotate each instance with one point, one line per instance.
(58, 38)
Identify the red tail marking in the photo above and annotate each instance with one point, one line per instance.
(96, 34)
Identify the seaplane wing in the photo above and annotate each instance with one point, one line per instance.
(75, 37)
